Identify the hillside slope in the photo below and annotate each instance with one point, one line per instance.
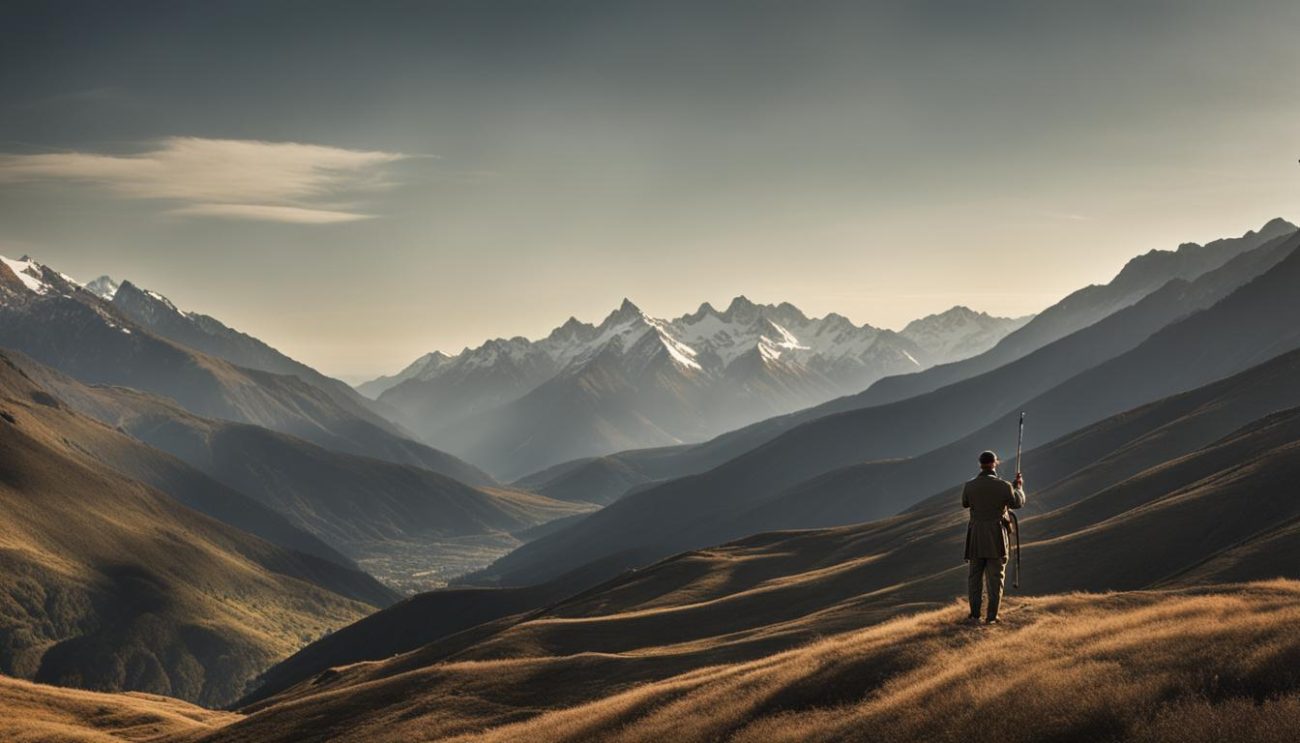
(1139, 277)
(400, 522)
(1186, 666)
(158, 469)
(1194, 664)
(39, 712)
(109, 584)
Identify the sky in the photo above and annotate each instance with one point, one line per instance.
(360, 183)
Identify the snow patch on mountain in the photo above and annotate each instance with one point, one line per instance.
(839, 354)
(103, 287)
(959, 332)
(29, 272)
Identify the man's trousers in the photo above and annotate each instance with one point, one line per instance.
(990, 571)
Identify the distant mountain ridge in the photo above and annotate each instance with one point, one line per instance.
(604, 479)
(635, 380)
(140, 339)
(1183, 336)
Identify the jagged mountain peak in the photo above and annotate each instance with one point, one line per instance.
(572, 330)
(954, 315)
(740, 309)
(627, 311)
(30, 274)
(128, 292)
(103, 287)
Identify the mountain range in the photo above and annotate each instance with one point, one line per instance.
(143, 341)
(1183, 335)
(515, 406)
(605, 479)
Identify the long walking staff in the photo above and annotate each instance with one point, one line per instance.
(1015, 522)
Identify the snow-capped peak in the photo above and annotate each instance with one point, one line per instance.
(707, 342)
(29, 272)
(959, 331)
(626, 312)
(103, 287)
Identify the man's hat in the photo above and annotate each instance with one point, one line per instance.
(988, 457)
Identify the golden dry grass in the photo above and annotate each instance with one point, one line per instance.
(1145, 666)
(1154, 665)
(36, 712)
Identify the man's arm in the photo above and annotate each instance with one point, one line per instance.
(1017, 492)
(965, 499)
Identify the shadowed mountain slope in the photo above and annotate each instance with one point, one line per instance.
(107, 583)
(161, 470)
(369, 509)
(1254, 322)
(1139, 277)
(209, 335)
(462, 613)
(1075, 464)
(1063, 332)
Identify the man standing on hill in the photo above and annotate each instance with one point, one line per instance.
(988, 497)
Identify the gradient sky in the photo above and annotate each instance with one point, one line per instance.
(361, 183)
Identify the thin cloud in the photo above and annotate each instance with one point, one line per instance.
(228, 178)
(269, 213)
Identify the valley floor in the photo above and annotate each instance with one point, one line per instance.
(1219, 663)
(411, 567)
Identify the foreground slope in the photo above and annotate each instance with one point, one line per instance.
(38, 712)
(1202, 665)
(107, 583)
(1193, 664)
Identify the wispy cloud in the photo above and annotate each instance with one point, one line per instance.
(268, 213)
(229, 178)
